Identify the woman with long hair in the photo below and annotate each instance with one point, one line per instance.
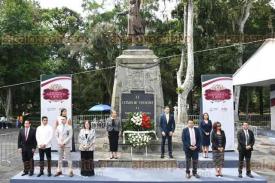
(206, 128)
(218, 141)
(63, 113)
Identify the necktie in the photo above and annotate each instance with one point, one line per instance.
(193, 140)
(246, 137)
(26, 134)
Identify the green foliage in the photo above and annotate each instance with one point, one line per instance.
(88, 44)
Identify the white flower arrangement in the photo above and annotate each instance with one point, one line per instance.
(139, 140)
(137, 118)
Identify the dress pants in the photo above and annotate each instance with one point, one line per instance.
(247, 155)
(42, 152)
(27, 157)
(167, 136)
(191, 156)
(66, 153)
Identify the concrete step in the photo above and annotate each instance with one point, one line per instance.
(130, 175)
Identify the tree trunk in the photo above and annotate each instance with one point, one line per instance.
(8, 109)
(187, 85)
(247, 104)
(241, 23)
(180, 116)
(261, 104)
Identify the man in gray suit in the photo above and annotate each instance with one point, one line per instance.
(64, 134)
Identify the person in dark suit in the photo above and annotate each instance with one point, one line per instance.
(191, 139)
(167, 128)
(26, 146)
(206, 128)
(246, 142)
(218, 141)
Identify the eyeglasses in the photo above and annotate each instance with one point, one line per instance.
(219, 126)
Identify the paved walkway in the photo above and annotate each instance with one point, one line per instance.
(263, 158)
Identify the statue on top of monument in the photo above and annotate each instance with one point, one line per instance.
(136, 28)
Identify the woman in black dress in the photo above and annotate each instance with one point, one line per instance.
(218, 141)
(113, 128)
(86, 141)
(206, 128)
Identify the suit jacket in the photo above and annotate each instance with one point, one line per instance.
(110, 127)
(214, 140)
(64, 136)
(186, 140)
(30, 143)
(242, 139)
(89, 142)
(167, 127)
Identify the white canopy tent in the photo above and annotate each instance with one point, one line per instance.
(259, 70)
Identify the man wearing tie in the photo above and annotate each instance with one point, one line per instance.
(26, 146)
(191, 139)
(64, 134)
(246, 142)
(167, 127)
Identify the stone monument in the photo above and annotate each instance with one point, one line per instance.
(137, 83)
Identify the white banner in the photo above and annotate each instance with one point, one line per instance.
(217, 101)
(56, 94)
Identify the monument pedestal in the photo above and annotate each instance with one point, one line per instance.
(137, 84)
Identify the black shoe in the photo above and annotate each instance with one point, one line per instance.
(240, 176)
(31, 174)
(197, 176)
(57, 174)
(171, 156)
(24, 173)
(49, 174)
(41, 173)
(162, 156)
(188, 176)
(250, 175)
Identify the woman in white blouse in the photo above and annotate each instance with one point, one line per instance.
(86, 141)
(63, 113)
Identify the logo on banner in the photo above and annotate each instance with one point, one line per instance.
(56, 93)
(218, 93)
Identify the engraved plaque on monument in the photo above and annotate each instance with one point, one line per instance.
(137, 101)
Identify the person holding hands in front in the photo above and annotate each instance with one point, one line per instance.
(167, 128)
(218, 140)
(191, 139)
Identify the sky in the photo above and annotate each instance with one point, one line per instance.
(76, 5)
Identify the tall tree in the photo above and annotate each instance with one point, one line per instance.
(184, 87)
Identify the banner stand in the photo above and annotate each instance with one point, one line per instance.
(56, 94)
(217, 101)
